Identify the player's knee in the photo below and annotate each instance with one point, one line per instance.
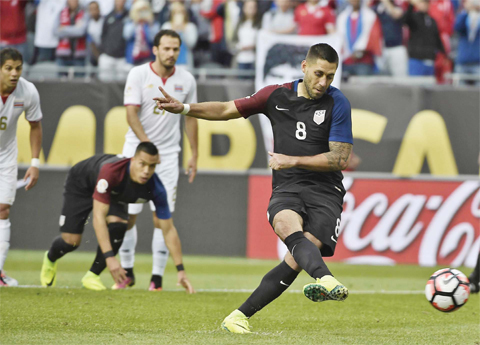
(73, 240)
(4, 211)
(117, 227)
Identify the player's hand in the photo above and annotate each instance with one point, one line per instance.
(116, 270)
(168, 103)
(33, 174)
(278, 161)
(182, 280)
(191, 169)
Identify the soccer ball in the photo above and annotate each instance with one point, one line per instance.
(447, 289)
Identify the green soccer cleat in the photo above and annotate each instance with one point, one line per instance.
(236, 322)
(92, 281)
(48, 275)
(326, 288)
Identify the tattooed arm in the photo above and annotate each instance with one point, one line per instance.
(334, 160)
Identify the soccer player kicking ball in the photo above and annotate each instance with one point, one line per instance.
(18, 95)
(107, 184)
(311, 123)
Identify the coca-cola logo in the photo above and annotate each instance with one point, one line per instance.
(427, 220)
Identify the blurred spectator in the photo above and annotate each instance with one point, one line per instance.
(106, 6)
(444, 14)
(13, 30)
(94, 32)
(395, 56)
(112, 63)
(46, 41)
(467, 25)
(362, 39)
(314, 19)
(139, 33)
(180, 22)
(201, 52)
(164, 15)
(424, 42)
(245, 35)
(280, 19)
(71, 30)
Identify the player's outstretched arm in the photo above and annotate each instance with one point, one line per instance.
(334, 160)
(175, 248)
(214, 111)
(36, 135)
(100, 211)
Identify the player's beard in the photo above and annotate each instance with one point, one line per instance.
(309, 89)
(168, 63)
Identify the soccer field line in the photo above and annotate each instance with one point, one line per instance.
(356, 292)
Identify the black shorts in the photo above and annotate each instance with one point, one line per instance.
(77, 207)
(319, 205)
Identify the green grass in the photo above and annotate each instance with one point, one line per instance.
(135, 316)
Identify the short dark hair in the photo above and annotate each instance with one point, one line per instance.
(147, 147)
(322, 51)
(10, 54)
(280, 54)
(161, 33)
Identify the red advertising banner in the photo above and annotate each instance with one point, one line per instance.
(388, 221)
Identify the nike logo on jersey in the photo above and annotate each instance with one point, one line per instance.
(281, 109)
(333, 239)
(281, 282)
(117, 240)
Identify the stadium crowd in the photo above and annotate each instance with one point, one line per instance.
(381, 37)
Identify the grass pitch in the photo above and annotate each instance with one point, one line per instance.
(386, 306)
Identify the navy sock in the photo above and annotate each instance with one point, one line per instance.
(273, 284)
(307, 255)
(116, 232)
(59, 248)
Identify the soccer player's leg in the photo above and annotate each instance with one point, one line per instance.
(322, 228)
(167, 171)
(117, 226)
(475, 277)
(8, 179)
(74, 215)
(127, 250)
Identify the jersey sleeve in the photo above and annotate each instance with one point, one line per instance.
(33, 112)
(160, 201)
(256, 103)
(341, 128)
(106, 180)
(133, 88)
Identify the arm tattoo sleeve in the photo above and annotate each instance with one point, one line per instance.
(338, 155)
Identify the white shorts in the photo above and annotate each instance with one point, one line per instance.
(8, 184)
(167, 171)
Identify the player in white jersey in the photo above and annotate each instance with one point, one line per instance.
(163, 129)
(18, 95)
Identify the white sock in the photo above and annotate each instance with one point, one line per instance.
(160, 253)
(4, 240)
(127, 250)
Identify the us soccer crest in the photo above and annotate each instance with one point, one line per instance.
(319, 116)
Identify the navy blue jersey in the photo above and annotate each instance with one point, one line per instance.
(107, 179)
(301, 127)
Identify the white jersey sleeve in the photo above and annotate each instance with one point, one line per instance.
(133, 87)
(33, 112)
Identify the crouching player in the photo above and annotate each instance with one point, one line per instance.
(107, 184)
